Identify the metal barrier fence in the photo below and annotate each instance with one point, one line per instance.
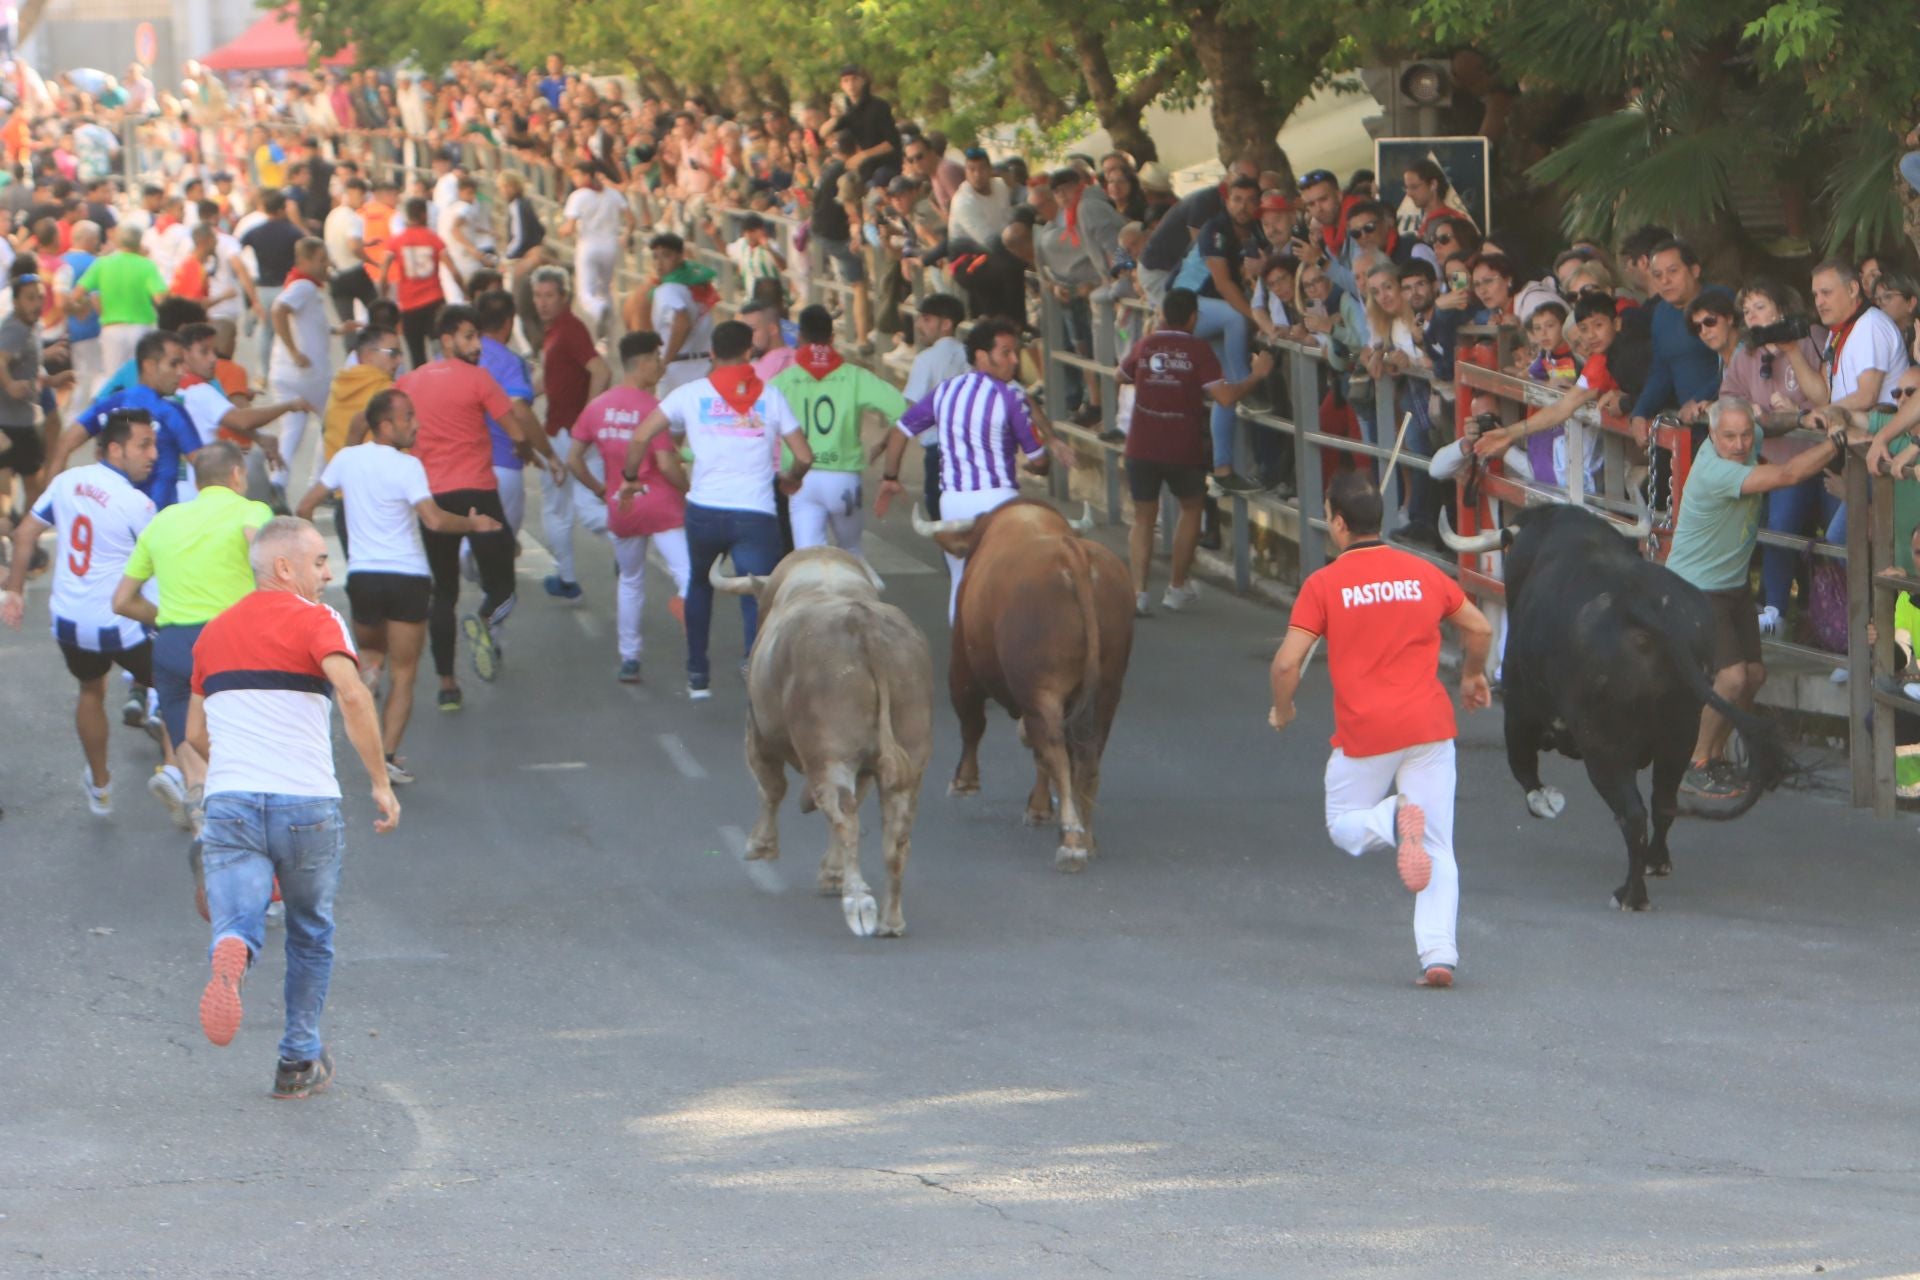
(1307, 374)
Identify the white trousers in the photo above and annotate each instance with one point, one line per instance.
(568, 503)
(513, 494)
(827, 510)
(1361, 807)
(958, 506)
(89, 372)
(630, 558)
(117, 342)
(293, 426)
(593, 264)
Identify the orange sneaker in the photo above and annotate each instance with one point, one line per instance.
(678, 608)
(220, 1002)
(1416, 864)
(1437, 975)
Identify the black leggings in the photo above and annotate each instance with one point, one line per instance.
(416, 327)
(492, 552)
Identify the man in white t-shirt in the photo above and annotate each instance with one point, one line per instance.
(345, 233)
(388, 586)
(209, 407)
(597, 217)
(1864, 353)
(464, 229)
(681, 316)
(941, 356)
(735, 424)
(97, 515)
(301, 367)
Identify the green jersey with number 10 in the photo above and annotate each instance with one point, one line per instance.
(829, 410)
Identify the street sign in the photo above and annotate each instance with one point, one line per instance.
(146, 44)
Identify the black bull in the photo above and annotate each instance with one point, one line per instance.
(1609, 659)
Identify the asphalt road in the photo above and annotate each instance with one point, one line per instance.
(577, 1036)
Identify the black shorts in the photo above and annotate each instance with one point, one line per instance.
(25, 451)
(1736, 628)
(91, 664)
(1184, 481)
(388, 597)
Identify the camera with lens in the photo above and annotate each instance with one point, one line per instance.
(1301, 231)
(1791, 329)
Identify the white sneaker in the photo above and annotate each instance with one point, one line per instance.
(1142, 604)
(1769, 621)
(398, 774)
(1178, 598)
(99, 799)
(276, 915)
(170, 789)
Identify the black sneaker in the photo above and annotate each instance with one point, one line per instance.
(1715, 780)
(450, 699)
(1085, 416)
(303, 1079)
(1113, 436)
(1235, 484)
(133, 712)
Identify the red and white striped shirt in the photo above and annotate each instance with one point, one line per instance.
(268, 700)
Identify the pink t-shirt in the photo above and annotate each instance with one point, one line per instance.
(609, 421)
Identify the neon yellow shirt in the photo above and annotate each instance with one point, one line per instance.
(829, 410)
(198, 553)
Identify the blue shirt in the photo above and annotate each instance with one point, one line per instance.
(80, 328)
(125, 378)
(551, 87)
(173, 432)
(1683, 367)
(510, 371)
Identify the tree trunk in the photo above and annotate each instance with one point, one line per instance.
(1244, 117)
(1031, 90)
(1119, 113)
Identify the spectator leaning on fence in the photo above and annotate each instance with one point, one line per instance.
(1713, 545)
(1684, 376)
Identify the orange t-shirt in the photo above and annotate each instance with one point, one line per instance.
(190, 281)
(376, 229)
(1379, 609)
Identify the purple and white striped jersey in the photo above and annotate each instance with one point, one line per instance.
(981, 421)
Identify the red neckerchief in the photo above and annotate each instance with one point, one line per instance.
(817, 358)
(1837, 342)
(297, 274)
(738, 385)
(1336, 235)
(1072, 203)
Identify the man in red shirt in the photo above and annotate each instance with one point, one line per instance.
(413, 275)
(452, 398)
(1174, 376)
(572, 372)
(1390, 780)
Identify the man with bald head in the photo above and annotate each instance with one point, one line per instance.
(265, 675)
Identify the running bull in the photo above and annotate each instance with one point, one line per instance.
(1608, 661)
(839, 688)
(1044, 627)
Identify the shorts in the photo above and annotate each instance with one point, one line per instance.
(375, 598)
(26, 450)
(1185, 481)
(173, 675)
(845, 259)
(91, 664)
(1736, 628)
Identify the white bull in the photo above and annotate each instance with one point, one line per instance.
(840, 688)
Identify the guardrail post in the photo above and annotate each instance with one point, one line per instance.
(1110, 471)
(1305, 384)
(1053, 375)
(1864, 562)
(1386, 429)
(1242, 547)
(1106, 351)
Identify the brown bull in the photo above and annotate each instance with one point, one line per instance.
(1044, 627)
(840, 688)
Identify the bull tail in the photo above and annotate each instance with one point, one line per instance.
(1080, 712)
(1769, 761)
(892, 765)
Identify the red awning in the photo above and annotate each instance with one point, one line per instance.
(271, 44)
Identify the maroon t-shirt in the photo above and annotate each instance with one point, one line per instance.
(1170, 370)
(568, 351)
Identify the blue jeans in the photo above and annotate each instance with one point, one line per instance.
(1790, 510)
(1076, 318)
(1226, 329)
(1910, 169)
(251, 837)
(173, 675)
(752, 538)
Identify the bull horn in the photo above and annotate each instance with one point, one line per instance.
(748, 585)
(932, 528)
(1085, 522)
(1641, 528)
(1488, 541)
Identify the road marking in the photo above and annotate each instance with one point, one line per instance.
(765, 876)
(682, 758)
(588, 624)
(554, 766)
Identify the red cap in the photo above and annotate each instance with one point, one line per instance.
(1274, 202)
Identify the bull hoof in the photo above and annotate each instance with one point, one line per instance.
(1619, 903)
(959, 787)
(1546, 802)
(1037, 817)
(829, 886)
(763, 852)
(806, 801)
(863, 914)
(1660, 871)
(1070, 860)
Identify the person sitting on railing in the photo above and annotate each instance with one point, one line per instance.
(1713, 543)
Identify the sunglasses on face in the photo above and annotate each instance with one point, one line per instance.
(1443, 237)
(1901, 393)
(1704, 323)
(1362, 229)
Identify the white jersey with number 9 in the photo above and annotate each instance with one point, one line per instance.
(98, 515)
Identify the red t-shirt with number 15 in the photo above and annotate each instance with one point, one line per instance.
(1379, 609)
(417, 254)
